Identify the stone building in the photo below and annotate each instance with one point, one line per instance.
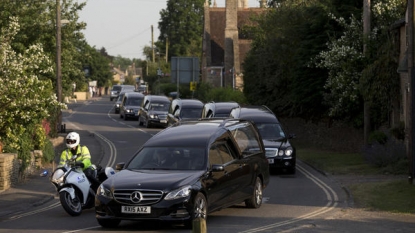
(224, 45)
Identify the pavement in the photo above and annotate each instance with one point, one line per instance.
(37, 190)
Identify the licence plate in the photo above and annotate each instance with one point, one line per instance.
(163, 121)
(271, 161)
(136, 209)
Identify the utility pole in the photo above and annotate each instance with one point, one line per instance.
(366, 34)
(152, 43)
(167, 48)
(58, 62)
(410, 128)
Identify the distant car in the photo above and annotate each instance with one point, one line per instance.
(130, 105)
(117, 89)
(154, 110)
(218, 109)
(119, 101)
(280, 152)
(143, 89)
(184, 109)
(186, 172)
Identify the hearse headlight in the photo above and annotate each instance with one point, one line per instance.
(179, 193)
(271, 152)
(289, 151)
(102, 191)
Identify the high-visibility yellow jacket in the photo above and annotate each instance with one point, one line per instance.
(83, 156)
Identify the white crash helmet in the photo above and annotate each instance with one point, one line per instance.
(72, 140)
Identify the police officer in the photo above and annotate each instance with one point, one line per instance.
(83, 159)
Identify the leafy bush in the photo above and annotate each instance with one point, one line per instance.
(378, 137)
(48, 152)
(207, 93)
(390, 156)
(26, 95)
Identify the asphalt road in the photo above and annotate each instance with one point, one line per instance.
(305, 202)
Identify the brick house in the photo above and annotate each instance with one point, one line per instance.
(224, 46)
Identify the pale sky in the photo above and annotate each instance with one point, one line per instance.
(123, 27)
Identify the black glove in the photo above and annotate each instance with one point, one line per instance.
(79, 164)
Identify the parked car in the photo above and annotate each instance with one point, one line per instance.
(184, 109)
(117, 89)
(280, 151)
(218, 109)
(154, 110)
(208, 165)
(130, 105)
(119, 101)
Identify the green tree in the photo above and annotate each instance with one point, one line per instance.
(37, 20)
(181, 23)
(98, 64)
(284, 40)
(121, 62)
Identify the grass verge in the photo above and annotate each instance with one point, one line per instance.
(391, 196)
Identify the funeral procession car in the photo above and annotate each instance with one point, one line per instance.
(130, 105)
(184, 109)
(177, 176)
(280, 152)
(153, 111)
(218, 109)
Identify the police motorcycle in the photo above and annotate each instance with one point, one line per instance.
(74, 189)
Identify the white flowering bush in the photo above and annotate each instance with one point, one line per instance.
(26, 95)
(345, 61)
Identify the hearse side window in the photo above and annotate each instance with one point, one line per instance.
(219, 153)
(246, 139)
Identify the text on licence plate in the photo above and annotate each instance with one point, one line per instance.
(271, 161)
(136, 209)
(163, 121)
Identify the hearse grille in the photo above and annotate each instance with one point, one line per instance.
(138, 196)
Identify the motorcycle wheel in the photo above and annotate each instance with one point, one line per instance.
(72, 206)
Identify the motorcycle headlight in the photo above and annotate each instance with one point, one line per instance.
(104, 191)
(57, 176)
(179, 193)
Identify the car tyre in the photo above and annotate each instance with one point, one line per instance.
(199, 210)
(255, 200)
(109, 223)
